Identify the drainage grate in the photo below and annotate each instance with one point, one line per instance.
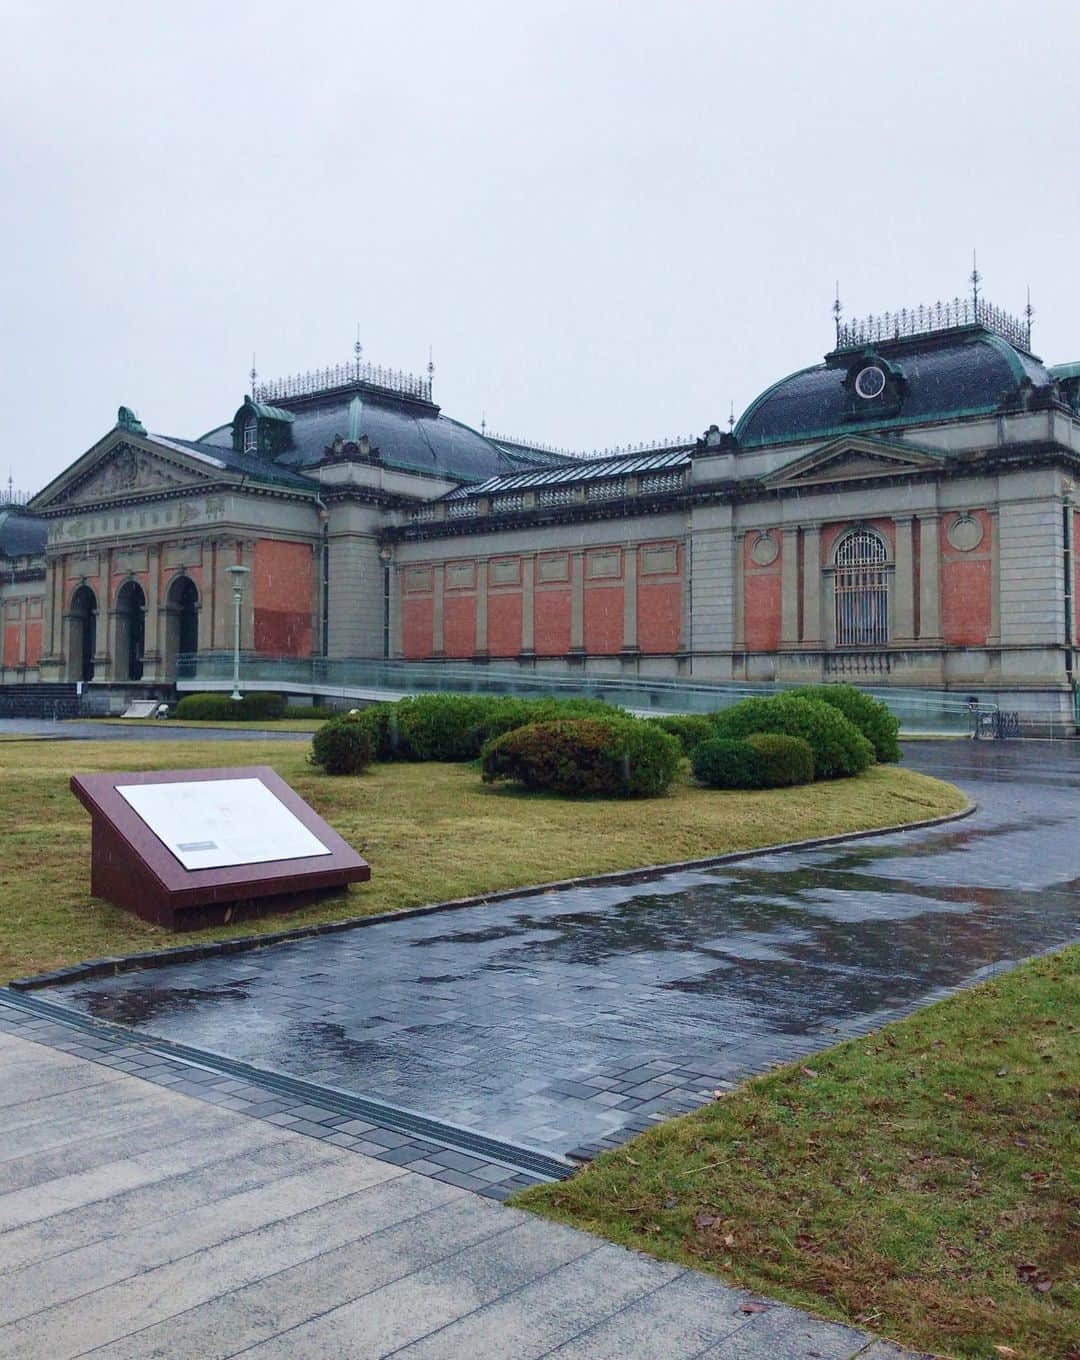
(395, 1117)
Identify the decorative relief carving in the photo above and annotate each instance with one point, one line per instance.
(764, 550)
(460, 575)
(659, 560)
(504, 571)
(965, 533)
(553, 568)
(127, 471)
(606, 563)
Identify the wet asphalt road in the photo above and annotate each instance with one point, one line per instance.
(572, 1019)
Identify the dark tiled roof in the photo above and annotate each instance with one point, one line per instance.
(21, 535)
(578, 470)
(409, 434)
(965, 373)
(247, 464)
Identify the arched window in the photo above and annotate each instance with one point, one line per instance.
(862, 590)
(251, 435)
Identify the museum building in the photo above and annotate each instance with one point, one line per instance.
(898, 514)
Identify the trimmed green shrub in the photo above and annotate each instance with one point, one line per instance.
(613, 757)
(839, 748)
(871, 716)
(455, 727)
(784, 760)
(342, 746)
(690, 729)
(725, 763)
(254, 707)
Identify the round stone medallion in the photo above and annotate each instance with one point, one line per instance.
(965, 533)
(764, 550)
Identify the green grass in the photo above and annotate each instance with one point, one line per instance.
(923, 1182)
(430, 832)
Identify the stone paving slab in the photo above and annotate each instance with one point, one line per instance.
(572, 1020)
(246, 1237)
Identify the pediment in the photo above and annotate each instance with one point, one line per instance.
(853, 459)
(118, 470)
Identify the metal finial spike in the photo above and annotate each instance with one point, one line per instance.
(976, 279)
(358, 348)
(430, 364)
(483, 422)
(731, 417)
(253, 375)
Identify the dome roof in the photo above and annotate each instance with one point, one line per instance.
(967, 371)
(408, 433)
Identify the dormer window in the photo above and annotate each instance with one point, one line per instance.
(251, 435)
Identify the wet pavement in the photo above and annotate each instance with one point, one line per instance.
(569, 1021)
(74, 729)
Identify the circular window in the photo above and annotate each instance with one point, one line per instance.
(870, 382)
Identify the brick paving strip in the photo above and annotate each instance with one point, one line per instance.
(140, 1222)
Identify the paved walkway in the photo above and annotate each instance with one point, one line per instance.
(72, 729)
(139, 1223)
(569, 1021)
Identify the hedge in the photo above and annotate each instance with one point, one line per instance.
(839, 748)
(690, 729)
(613, 757)
(726, 763)
(342, 746)
(784, 760)
(254, 707)
(456, 727)
(879, 726)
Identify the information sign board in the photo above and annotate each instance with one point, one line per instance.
(188, 848)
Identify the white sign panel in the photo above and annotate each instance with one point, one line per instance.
(217, 823)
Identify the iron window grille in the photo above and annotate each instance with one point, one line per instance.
(862, 590)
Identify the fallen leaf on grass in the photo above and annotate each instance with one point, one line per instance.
(752, 1308)
(808, 1071)
(1004, 1350)
(704, 1220)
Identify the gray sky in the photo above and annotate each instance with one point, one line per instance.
(609, 220)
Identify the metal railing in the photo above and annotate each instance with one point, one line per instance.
(929, 711)
(938, 316)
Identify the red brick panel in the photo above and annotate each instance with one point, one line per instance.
(11, 643)
(459, 624)
(552, 626)
(762, 596)
(283, 632)
(659, 619)
(504, 623)
(603, 619)
(417, 625)
(283, 594)
(33, 642)
(966, 585)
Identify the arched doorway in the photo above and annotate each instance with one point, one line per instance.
(181, 622)
(862, 589)
(130, 631)
(82, 634)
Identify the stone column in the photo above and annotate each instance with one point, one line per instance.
(993, 547)
(396, 649)
(903, 620)
(811, 628)
(740, 591)
(481, 606)
(789, 586)
(629, 631)
(528, 598)
(929, 578)
(208, 638)
(105, 642)
(577, 602)
(152, 636)
(437, 642)
(247, 610)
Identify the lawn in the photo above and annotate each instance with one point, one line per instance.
(431, 832)
(923, 1182)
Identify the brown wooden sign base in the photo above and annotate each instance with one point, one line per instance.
(134, 869)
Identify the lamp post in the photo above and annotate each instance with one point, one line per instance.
(237, 573)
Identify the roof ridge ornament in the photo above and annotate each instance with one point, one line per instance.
(938, 316)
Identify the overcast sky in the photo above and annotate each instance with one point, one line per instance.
(609, 220)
